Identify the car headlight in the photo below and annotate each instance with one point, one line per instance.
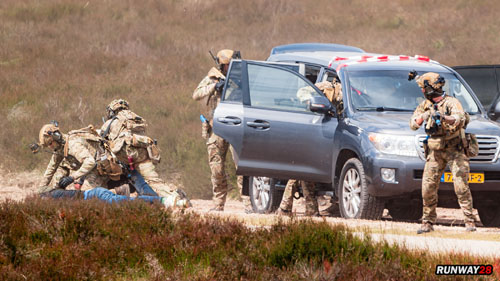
(394, 144)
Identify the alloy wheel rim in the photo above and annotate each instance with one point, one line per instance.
(351, 192)
(261, 188)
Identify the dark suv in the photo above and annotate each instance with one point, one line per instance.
(367, 157)
(485, 81)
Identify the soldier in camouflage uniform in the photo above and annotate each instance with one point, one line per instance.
(209, 90)
(76, 154)
(309, 196)
(333, 92)
(126, 133)
(443, 146)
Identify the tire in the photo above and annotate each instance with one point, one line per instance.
(354, 200)
(410, 212)
(264, 196)
(490, 215)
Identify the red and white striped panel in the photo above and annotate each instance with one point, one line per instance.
(362, 59)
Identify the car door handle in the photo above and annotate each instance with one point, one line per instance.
(259, 124)
(229, 120)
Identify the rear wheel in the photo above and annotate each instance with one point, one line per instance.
(355, 202)
(489, 214)
(264, 195)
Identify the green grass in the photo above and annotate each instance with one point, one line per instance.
(75, 240)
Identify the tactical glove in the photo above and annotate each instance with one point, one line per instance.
(65, 181)
(425, 116)
(219, 86)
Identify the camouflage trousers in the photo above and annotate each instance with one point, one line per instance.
(309, 196)
(146, 168)
(434, 168)
(217, 148)
(148, 171)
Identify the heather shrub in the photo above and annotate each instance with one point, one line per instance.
(91, 240)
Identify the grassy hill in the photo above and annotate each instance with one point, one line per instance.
(66, 60)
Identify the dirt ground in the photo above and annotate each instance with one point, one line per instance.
(449, 234)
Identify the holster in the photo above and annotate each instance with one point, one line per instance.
(108, 166)
(206, 130)
(470, 144)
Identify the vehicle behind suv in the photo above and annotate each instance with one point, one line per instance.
(485, 81)
(367, 157)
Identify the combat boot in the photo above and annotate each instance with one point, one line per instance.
(217, 209)
(312, 212)
(283, 212)
(123, 190)
(184, 199)
(426, 227)
(470, 226)
(333, 210)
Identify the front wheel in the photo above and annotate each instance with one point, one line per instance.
(355, 202)
(264, 195)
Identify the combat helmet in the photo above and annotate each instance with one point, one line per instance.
(115, 106)
(50, 133)
(225, 56)
(431, 83)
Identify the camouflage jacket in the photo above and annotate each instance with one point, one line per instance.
(448, 106)
(332, 92)
(206, 92)
(55, 162)
(80, 157)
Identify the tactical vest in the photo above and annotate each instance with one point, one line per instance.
(106, 162)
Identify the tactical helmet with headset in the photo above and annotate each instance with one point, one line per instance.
(225, 56)
(115, 106)
(50, 133)
(431, 83)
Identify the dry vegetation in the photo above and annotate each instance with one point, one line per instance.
(90, 240)
(65, 60)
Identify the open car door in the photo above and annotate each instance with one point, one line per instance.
(264, 115)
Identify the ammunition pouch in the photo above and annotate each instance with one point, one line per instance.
(154, 153)
(472, 148)
(426, 149)
(436, 143)
(108, 166)
(148, 143)
(206, 130)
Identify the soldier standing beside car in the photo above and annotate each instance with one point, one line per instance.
(445, 122)
(332, 91)
(210, 90)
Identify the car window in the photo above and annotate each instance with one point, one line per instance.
(234, 91)
(328, 76)
(278, 88)
(482, 82)
(312, 72)
(372, 90)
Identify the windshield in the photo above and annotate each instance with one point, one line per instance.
(390, 90)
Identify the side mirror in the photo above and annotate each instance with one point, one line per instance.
(320, 104)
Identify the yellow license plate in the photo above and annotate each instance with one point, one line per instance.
(473, 177)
